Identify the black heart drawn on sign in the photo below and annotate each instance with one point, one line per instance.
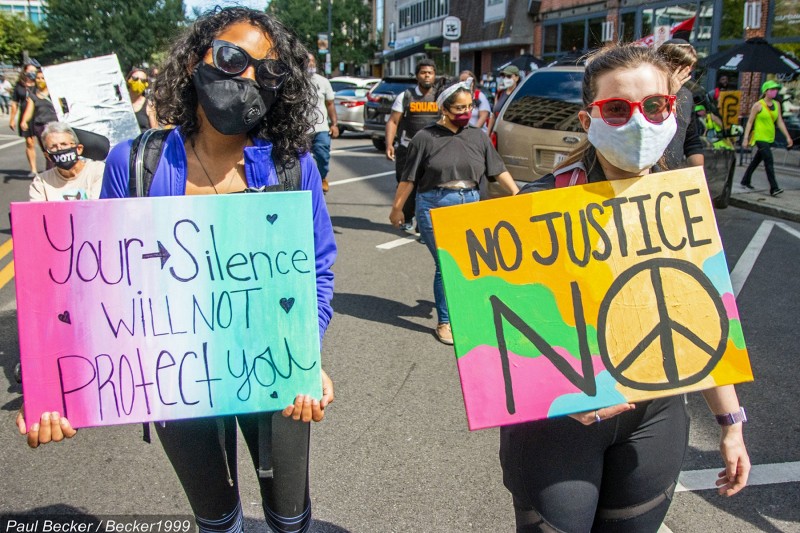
(272, 218)
(64, 317)
(287, 304)
(273, 395)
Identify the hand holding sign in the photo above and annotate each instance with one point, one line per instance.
(51, 427)
(306, 408)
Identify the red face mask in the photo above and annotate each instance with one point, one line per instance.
(461, 120)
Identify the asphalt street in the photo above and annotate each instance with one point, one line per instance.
(394, 452)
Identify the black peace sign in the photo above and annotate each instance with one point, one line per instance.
(664, 329)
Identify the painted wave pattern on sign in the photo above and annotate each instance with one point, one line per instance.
(537, 382)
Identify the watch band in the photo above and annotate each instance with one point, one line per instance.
(728, 419)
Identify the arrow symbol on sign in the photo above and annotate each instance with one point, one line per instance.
(162, 253)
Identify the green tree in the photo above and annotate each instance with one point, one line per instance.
(17, 34)
(135, 30)
(351, 21)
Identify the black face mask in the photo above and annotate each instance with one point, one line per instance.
(233, 105)
(66, 158)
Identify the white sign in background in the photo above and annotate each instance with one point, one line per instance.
(91, 94)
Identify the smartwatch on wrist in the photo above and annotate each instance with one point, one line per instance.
(729, 419)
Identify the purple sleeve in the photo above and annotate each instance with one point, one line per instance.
(324, 243)
(115, 176)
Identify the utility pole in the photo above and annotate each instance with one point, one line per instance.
(328, 59)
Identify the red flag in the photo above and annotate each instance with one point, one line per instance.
(686, 25)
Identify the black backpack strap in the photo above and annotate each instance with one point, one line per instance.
(406, 102)
(289, 177)
(145, 156)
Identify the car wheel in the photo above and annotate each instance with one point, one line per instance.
(379, 144)
(723, 200)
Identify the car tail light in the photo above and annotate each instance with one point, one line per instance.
(373, 98)
(493, 137)
(351, 103)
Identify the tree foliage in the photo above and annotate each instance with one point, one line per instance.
(17, 34)
(135, 30)
(351, 21)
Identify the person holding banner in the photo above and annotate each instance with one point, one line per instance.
(446, 162)
(235, 87)
(615, 468)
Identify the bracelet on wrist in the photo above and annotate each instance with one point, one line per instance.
(729, 419)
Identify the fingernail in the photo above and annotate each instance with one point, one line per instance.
(35, 427)
(64, 422)
(55, 415)
(45, 416)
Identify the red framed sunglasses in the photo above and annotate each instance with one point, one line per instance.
(655, 108)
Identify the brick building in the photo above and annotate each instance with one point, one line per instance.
(496, 31)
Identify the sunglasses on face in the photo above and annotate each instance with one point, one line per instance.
(138, 79)
(231, 59)
(655, 108)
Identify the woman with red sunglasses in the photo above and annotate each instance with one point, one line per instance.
(616, 468)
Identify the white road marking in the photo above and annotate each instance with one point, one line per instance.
(788, 229)
(12, 143)
(748, 258)
(759, 475)
(395, 243)
(358, 149)
(360, 178)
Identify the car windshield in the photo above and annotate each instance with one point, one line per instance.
(352, 92)
(393, 87)
(548, 100)
(339, 85)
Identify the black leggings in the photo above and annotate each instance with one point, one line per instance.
(203, 453)
(763, 153)
(400, 157)
(617, 475)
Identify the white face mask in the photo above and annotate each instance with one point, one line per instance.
(312, 70)
(505, 83)
(636, 145)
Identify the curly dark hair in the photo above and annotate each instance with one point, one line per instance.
(290, 119)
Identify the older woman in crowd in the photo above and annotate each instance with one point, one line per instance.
(72, 177)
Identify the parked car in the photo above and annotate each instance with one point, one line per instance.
(349, 105)
(350, 82)
(379, 106)
(538, 127)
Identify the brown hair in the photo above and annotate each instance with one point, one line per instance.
(607, 59)
(678, 54)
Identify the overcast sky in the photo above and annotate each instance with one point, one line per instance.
(208, 4)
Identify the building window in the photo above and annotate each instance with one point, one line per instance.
(572, 36)
(596, 33)
(627, 28)
(550, 39)
(422, 12)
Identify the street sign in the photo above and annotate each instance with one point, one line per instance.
(454, 52)
(451, 28)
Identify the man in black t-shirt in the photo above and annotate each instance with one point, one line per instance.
(19, 100)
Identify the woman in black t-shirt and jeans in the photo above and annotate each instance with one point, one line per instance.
(447, 160)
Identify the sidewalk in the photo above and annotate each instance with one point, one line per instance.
(787, 172)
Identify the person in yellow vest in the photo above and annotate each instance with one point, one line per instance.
(764, 116)
(712, 125)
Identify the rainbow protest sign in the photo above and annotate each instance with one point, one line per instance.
(152, 309)
(583, 297)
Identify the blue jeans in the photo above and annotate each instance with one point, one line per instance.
(431, 200)
(321, 149)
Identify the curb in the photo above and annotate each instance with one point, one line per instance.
(765, 209)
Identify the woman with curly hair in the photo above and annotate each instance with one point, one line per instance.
(235, 88)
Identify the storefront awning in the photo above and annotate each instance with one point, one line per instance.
(421, 47)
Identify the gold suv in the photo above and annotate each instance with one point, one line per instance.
(539, 124)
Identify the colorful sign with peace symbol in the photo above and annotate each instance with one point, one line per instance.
(578, 298)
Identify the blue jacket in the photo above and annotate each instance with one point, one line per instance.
(170, 180)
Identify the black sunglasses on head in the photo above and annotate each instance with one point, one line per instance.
(233, 60)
